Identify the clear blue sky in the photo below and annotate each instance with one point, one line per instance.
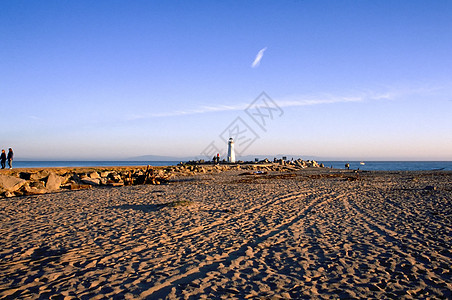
(117, 79)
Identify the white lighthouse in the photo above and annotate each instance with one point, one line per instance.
(231, 152)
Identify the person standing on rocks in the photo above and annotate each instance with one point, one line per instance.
(3, 158)
(10, 158)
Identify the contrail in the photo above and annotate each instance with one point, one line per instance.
(258, 58)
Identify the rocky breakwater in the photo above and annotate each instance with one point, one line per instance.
(24, 182)
(42, 181)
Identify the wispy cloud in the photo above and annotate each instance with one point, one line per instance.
(258, 58)
(202, 110)
(291, 101)
(194, 111)
(296, 101)
(331, 99)
(35, 118)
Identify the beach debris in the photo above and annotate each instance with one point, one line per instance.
(430, 188)
(260, 172)
(112, 183)
(178, 203)
(254, 173)
(351, 178)
(76, 186)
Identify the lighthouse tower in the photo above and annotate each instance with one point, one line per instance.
(231, 152)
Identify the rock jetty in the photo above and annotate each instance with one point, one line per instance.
(35, 181)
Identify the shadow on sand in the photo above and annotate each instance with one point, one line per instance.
(153, 207)
(140, 207)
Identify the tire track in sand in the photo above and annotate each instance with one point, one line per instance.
(231, 219)
(389, 235)
(232, 258)
(409, 260)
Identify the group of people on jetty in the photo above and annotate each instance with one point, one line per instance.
(9, 158)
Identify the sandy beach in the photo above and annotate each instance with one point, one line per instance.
(314, 233)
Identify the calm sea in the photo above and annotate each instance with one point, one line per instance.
(392, 165)
(57, 164)
(368, 165)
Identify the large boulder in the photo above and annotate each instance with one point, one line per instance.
(94, 175)
(53, 181)
(34, 189)
(104, 174)
(39, 175)
(115, 176)
(90, 181)
(74, 178)
(37, 184)
(10, 183)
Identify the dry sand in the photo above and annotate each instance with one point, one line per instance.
(309, 234)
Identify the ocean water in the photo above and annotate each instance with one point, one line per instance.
(392, 165)
(368, 165)
(57, 164)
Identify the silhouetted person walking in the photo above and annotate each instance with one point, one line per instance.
(3, 158)
(10, 158)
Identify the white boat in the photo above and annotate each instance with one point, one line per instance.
(362, 163)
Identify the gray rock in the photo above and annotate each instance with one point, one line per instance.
(74, 179)
(91, 181)
(9, 194)
(40, 175)
(94, 175)
(37, 184)
(105, 174)
(31, 190)
(116, 177)
(10, 183)
(53, 182)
